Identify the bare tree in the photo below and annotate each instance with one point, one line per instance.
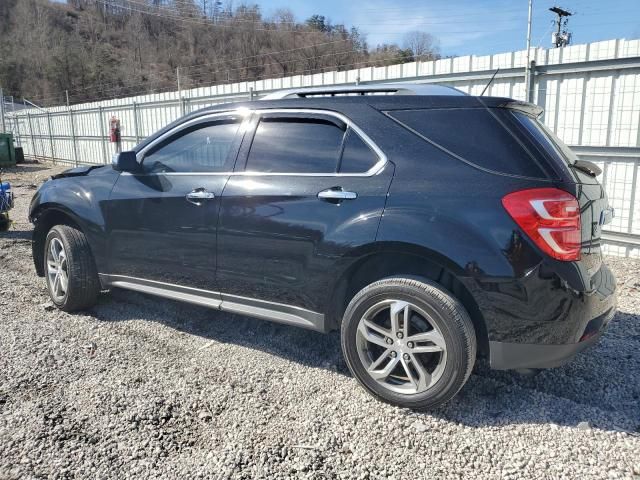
(100, 50)
(423, 45)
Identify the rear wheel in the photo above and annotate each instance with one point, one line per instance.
(408, 342)
(70, 271)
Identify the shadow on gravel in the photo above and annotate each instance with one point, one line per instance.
(27, 167)
(601, 386)
(16, 234)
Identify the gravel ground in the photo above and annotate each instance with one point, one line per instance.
(144, 387)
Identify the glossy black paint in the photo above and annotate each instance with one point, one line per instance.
(82, 195)
(155, 234)
(270, 237)
(280, 242)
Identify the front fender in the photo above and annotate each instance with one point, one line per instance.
(79, 200)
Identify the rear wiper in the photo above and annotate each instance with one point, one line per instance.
(587, 167)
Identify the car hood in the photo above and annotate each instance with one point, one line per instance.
(81, 171)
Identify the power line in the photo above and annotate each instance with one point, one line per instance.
(180, 18)
(269, 53)
(296, 60)
(309, 70)
(118, 86)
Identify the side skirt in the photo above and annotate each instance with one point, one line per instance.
(251, 307)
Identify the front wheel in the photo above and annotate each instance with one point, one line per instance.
(408, 342)
(70, 271)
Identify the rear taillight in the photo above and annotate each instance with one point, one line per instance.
(550, 217)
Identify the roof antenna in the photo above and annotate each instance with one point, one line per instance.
(490, 81)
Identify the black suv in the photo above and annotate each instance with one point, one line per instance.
(427, 225)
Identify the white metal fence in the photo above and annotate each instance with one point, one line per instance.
(590, 93)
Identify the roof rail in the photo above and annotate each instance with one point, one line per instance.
(360, 90)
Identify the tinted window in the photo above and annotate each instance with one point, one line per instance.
(555, 147)
(202, 148)
(357, 157)
(488, 139)
(295, 145)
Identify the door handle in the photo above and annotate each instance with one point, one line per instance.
(199, 195)
(337, 193)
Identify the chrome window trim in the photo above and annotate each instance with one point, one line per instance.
(246, 114)
(377, 167)
(229, 114)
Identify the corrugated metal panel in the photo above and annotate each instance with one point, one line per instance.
(590, 93)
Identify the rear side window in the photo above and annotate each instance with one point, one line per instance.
(487, 139)
(295, 145)
(357, 156)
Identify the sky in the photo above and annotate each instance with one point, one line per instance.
(472, 27)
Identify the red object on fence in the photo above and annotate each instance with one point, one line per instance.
(114, 129)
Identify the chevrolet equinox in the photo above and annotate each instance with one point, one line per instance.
(426, 225)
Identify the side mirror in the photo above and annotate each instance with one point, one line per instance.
(125, 162)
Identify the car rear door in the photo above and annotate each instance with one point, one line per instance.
(308, 191)
(162, 221)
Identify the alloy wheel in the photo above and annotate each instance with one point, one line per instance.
(57, 270)
(401, 347)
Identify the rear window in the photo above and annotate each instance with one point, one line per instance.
(491, 140)
(553, 146)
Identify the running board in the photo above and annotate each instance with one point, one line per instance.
(262, 309)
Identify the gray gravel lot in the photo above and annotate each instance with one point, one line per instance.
(144, 387)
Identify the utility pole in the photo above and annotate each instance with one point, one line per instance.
(561, 38)
(527, 70)
(67, 94)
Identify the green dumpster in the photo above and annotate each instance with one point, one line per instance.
(7, 152)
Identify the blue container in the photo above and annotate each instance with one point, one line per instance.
(6, 197)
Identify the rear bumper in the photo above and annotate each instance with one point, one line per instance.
(506, 356)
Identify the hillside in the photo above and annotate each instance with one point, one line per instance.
(108, 48)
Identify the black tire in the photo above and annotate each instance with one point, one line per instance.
(5, 223)
(451, 319)
(83, 283)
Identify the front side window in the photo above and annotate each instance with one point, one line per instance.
(296, 145)
(201, 148)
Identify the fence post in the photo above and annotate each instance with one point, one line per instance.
(135, 121)
(4, 125)
(16, 121)
(41, 134)
(632, 200)
(33, 140)
(73, 137)
(51, 144)
(103, 129)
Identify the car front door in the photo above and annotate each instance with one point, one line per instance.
(309, 189)
(161, 221)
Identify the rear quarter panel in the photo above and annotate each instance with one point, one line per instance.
(454, 211)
